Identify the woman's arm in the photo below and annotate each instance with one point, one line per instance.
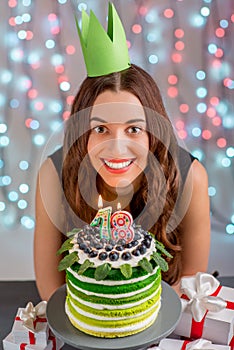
(195, 225)
(47, 236)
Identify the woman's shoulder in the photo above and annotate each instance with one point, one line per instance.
(199, 173)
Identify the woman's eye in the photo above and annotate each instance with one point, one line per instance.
(134, 130)
(100, 129)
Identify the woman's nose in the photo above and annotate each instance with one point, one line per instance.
(118, 144)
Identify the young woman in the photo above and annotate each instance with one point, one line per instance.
(119, 143)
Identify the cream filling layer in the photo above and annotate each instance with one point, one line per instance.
(98, 317)
(129, 328)
(112, 296)
(108, 282)
(112, 307)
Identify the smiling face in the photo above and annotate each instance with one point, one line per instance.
(118, 143)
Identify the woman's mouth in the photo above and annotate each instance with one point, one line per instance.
(117, 165)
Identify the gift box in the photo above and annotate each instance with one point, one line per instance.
(203, 344)
(30, 325)
(52, 344)
(207, 310)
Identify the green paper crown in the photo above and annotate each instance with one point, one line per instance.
(104, 52)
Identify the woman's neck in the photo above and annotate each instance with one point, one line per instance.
(123, 195)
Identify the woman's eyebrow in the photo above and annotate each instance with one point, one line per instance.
(97, 119)
(131, 121)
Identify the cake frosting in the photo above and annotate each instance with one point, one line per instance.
(113, 287)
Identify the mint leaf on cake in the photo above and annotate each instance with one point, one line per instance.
(65, 246)
(162, 249)
(102, 271)
(68, 261)
(146, 265)
(160, 261)
(126, 270)
(86, 264)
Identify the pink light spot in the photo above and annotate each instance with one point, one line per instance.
(59, 69)
(214, 101)
(168, 13)
(52, 17)
(220, 32)
(11, 21)
(29, 35)
(172, 91)
(70, 99)
(179, 33)
(221, 142)
(179, 45)
(62, 78)
(70, 49)
(66, 115)
(216, 63)
(219, 53)
(180, 124)
(176, 57)
(28, 122)
(184, 108)
(216, 121)
(55, 30)
(32, 93)
(172, 79)
(182, 134)
(206, 134)
(12, 3)
(137, 28)
(143, 10)
(39, 106)
(211, 112)
(227, 82)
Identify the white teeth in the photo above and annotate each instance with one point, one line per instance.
(117, 165)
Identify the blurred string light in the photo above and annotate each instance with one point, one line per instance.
(213, 120)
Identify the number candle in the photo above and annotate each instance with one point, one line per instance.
(102, 218)
(121, 222)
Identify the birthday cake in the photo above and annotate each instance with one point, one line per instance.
(113, 286)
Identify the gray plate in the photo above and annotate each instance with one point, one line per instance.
(165, 323)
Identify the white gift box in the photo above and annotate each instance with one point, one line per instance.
(39, 335)
(9, 344)
(172, 344)
(52, 344)
(209, 310)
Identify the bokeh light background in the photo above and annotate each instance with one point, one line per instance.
(186, 45)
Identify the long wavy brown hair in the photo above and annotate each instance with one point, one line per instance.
(153, 193)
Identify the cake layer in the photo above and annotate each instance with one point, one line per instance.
(114, 313)
(93, 321)
(95, 299)
(114, 330)
(110, 281)
(113, 290)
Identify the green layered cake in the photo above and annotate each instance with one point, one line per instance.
(113, 287)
